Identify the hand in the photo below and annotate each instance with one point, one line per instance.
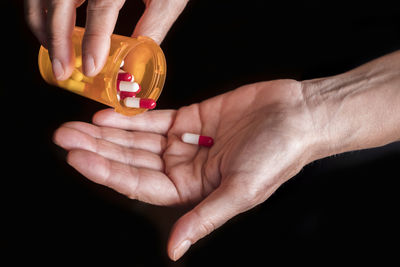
(263, 136)
(52, 22)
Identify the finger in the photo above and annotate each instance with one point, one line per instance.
(146, 185)
(70, 138)
(158, 18)
(36, 17)
(220, 206)
(60, 24)
(155, 143)
(100, 22)
(157, 121)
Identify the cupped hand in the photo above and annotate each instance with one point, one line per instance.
(52, 22)
(263, 136)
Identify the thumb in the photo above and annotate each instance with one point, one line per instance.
(220, 206)
(158, 18)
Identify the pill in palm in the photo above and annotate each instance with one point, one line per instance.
(197, 139)
(135, 102)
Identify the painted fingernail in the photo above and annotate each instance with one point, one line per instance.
(88, 65)
(58, 69)
(181, 249)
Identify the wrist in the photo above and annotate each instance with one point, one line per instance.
(319, 108)
(355, 110)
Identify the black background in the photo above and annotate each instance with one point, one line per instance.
(341, 209)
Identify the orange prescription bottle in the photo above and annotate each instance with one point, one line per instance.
(142, 57)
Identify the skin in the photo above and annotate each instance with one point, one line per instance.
(264, 134)
(144, 158)
(52, 22)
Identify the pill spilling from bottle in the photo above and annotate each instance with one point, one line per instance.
(128, 88)
(135, 102)
(196, 139)
(123, 86)
(125, 76)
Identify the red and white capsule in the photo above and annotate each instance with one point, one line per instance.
(123, 94)
(135, 102)
(128, 86)
(197, 139)
(125, 76)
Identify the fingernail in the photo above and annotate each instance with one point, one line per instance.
(88, 65)
(181, 249)
(58, 69)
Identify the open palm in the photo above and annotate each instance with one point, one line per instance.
(261, 135)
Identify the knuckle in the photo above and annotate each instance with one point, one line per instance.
(105, 4)
(252, 194)
(132, 190)
(30, 13)
(53, 4)
(53, 42)
(95, 35)
(205, 225)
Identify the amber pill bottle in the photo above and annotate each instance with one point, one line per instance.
(141, 57)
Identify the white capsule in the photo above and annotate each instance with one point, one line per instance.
(132, 102)
(191, 138)
(128, 86)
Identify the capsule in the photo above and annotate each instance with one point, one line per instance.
(73, 85)
(124, 94)
(77, 75)
(78, 61)
(128, 86)
(196, 139)
(135, 102)
(125, 76)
